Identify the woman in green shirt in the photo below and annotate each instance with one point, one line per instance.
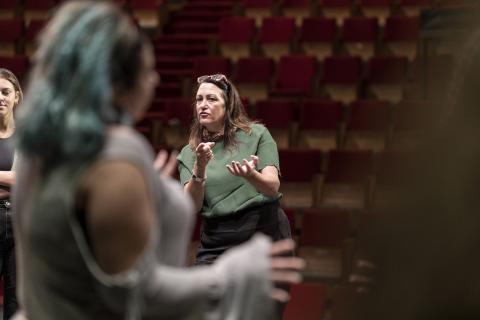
(231, 169)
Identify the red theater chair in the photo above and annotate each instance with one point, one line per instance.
(321, 124)
(341, 77)
(278, 117)
(401, 36)
(276, 34)
(379, 9)
(300, 177)
(325, 243)
(253, 76)
(348, 179)
(307, 302)
(359, 35)
(258, 9)
(337, 9)
(10, 42)
(295, 76)
(317, 36)
(386, 77)
(235, 37)
(369, 126)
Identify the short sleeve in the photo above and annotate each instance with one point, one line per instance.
(185, 164)
(267, 151)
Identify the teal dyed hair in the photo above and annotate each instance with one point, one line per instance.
(88, 51)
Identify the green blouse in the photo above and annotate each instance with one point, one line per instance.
(225, 193)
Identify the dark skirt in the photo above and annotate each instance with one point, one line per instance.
(219, 234)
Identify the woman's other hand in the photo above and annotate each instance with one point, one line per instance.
(166, 164)
(284, 269)
(245, 169)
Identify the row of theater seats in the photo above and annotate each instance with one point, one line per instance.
(19, 6)
(338, 9)
(340, 78)
(340, 178)
(147, 13)
(318, 36)
(311, 123)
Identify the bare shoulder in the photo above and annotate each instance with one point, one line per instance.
(118, 211)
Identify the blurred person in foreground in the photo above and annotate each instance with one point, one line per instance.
(101, 233)
(10, 98)
(426, 246)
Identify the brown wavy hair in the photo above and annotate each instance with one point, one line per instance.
(9, 76)
(235, 115)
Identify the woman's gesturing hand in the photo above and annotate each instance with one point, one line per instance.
(245, 169)
(284, 269)
(204, 153)
(165, 164)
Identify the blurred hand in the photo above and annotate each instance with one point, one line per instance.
(245, 169)
(166, 164)
(362, 277)
(284, 269)
(204, 153)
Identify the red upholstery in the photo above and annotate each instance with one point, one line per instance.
(295, 74)
(324, 228)
(14, 27)
(299, 165)
(40, 4)
(342, 70)
(401, 29)
(387, 70)
(211, 65)
(275, 114)
(236, 30)
(376, 3)
(359, 29)
(320, 115)
(181, 110)
(290, 213)
(296, 3)
(18, 65)
(277, 30)
(307, 302)
(9, 4)
(317, 29)
(349, 166)
(336, 3)
(254, 70)
(258, 3)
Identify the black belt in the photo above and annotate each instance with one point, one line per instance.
(5, 203)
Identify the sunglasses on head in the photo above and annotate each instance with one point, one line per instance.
(213, 77)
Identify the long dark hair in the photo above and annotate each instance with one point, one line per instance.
(86, 51)
(235, 115)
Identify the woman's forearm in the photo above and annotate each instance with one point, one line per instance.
(197, 192)
(196, 189)
(7, 178)
(265, 182)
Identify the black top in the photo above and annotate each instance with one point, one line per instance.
(6, 154)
